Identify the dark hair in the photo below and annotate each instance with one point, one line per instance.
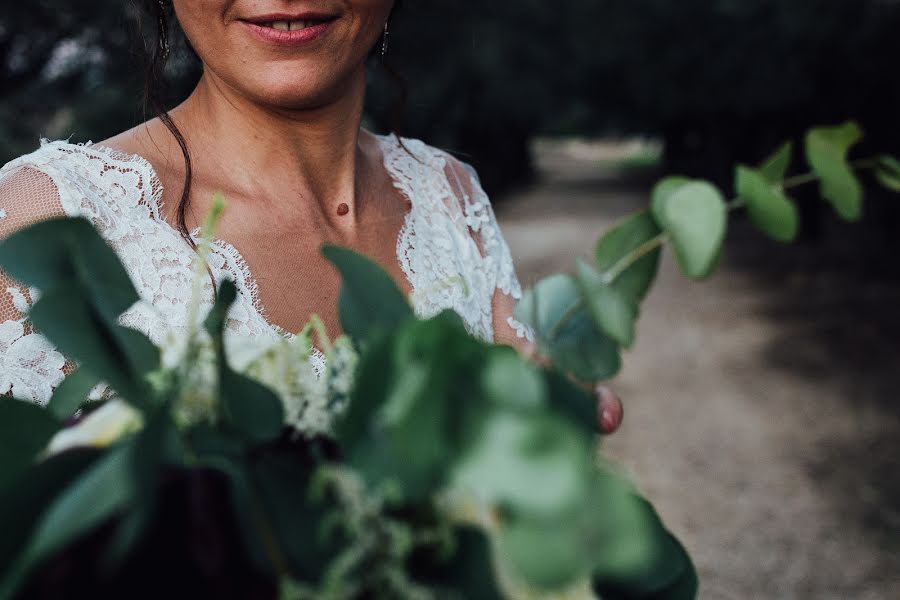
(156, 52)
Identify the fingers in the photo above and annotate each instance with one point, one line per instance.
(610, 411)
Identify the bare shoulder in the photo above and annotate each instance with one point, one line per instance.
(153, 142)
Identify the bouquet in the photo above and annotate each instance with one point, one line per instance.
(422, 463)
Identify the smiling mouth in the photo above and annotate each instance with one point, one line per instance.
(291, 25)
(296, 24)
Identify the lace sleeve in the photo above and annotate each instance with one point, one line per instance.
(30, 367)
(498, 262)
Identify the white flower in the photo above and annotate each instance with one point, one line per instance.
(99, 429)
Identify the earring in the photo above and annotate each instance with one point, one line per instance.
(384, 40)
(163, 31)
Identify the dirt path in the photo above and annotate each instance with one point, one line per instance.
(761, 412)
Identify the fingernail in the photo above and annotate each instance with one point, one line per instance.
(608, 422)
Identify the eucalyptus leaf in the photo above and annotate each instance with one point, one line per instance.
(248, 407)
(23, 502)
(370, 302)
(613, 311)
(888, 173)
(565, 330)
(775, 168)
(105, 351)
(68, 397)
(25, 430)
(530, 463)
(768, 206)
(84, 290)
(410, 415)
(626, 237)
(695, 216)
(101, 492)
(826, 150)
(648, 562)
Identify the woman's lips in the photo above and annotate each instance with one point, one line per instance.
(283, 32)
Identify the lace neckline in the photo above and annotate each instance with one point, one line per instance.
(388, 144)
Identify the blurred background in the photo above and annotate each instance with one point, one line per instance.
(761, 408)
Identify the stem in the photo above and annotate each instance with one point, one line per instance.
(627, 261)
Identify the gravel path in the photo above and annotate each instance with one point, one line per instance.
(761, 410)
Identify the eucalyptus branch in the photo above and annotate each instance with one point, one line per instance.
(609, 276)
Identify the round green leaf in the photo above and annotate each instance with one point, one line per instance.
(696, 217)
(370, 301)
(565, 330)
(624, 238)
(826, 150)
(775, 168)
(612, 310)
(768, 206)
(533, 463)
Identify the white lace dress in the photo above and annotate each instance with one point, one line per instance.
(450, 249)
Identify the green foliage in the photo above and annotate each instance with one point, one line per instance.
(248, 408)
(105, 488)
(369, 303)
(25, 430)
(72, 393)
(694, 214)
(628, 236)
(84, 290)
(565, 330)
(826, 151)
(613, 311)
(767, 205)
(888, 173)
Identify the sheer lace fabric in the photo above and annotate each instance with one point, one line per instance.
(450, 249)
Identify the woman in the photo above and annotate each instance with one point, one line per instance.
(274, 124)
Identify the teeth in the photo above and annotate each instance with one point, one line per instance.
(288, 25)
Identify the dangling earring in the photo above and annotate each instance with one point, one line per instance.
(384, 40)
(163, 31)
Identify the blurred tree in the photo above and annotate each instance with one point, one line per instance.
(719, 80)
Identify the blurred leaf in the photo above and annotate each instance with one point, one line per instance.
(84, 289)
(775, 169)
(624, 238)
(370, 302)
(888, 173)
(531, 463)
(659, 569)
(95, 496)
(768, 206)
(613, 311)
(297, 519)
(696, 217)
(826, 150)
(248, 407)
(565, 331)
(511, 381)
(414, 405)
(466, 571)
(25, 430)
(71, 393)
(23, 501)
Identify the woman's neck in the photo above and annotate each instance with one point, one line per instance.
(276, 155)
